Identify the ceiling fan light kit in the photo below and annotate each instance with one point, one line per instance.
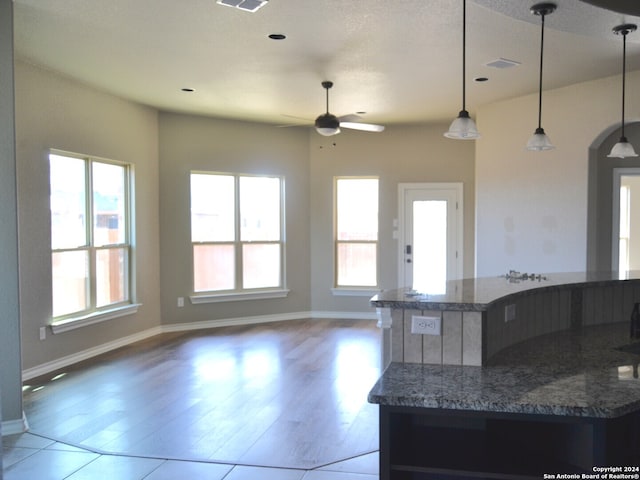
(463, 127)
(623, 148)
(539, 141)
(328, 124)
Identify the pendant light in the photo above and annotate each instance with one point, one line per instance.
(463, 127)
(623, 148)
(539, 140)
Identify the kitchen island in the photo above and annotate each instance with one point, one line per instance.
(559, 402)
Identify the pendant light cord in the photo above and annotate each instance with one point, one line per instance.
(540, 83)
(624, 69)
(464, 52)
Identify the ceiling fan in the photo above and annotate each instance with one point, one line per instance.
(328, 124)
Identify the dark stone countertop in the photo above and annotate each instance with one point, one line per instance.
(477, 294)
(571, 373)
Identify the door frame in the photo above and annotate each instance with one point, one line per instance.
(618, 172)
(457, 188)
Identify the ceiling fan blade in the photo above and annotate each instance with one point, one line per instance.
(365, 127)
(352, 117)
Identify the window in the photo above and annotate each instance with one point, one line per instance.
(237, 233)
(90, 235)
(356, 246)
(625, 228)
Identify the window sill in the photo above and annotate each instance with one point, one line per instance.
(355, 292)
(93, 318)
(237, 296)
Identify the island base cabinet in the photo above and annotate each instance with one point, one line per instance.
(436, 444)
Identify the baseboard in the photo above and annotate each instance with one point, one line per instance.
(63, 362)
(230, 322)
(345, 315)
(13, 427)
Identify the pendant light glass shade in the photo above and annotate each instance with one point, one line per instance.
(623, 148)
(539, 140)
(463, 127)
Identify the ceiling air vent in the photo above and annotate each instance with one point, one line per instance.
(247, 5)
(502, 63)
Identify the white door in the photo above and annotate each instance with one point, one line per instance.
(430, 235)
(626, 212)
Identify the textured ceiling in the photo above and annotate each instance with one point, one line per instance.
(399, 61)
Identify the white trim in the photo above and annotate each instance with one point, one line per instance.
(93, 318)
(237, 296)
(344, 315)
(67, 360)
(384, 317)
(13, 427)
(228, 322)
(618, 173)
(355, 292)
(403, 189)
(63, 362)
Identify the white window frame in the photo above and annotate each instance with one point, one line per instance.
(355, 290)
(93, 314)
(239, 293)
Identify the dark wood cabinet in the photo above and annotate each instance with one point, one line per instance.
(436, 444)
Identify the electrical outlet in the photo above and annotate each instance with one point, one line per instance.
(43, 333)
(425, 325)
(510, 312)
(180, 301)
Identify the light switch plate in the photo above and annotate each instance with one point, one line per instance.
(425, 325)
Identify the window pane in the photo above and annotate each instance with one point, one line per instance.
(111, 266)
(261, 265)
(357, 264)
(212, 208)
(109, 199)
(213, 267)
(68, 202)
(430, 246)
(357, 208)
(70, 271)
(259, 209)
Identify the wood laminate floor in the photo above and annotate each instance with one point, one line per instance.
(287, 394)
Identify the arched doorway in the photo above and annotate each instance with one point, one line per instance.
(606, 177)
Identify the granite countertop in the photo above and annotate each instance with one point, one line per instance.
(476, 294)
(572, 373)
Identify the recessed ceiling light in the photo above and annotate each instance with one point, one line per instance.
(188, 90)
(277, 36)
(502, 63)
(481, 79)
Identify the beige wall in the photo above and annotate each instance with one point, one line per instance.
(198, 143)
(400, 154)
(54, 112)
(533, 207)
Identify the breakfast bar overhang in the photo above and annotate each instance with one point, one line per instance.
(516, 378)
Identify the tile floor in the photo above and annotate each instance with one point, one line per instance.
(29, 456)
